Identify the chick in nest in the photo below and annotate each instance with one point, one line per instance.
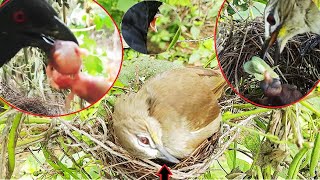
(276, 93)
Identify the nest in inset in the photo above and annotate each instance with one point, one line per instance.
(239, 41)
(34, 105)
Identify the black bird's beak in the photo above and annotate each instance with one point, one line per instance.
(44, 37)
(29, 23)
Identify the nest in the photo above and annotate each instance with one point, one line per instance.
(120, 164)
(239, 41)
(34, 105)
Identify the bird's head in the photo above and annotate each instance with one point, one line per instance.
(29, 23)
(283, 20)
(270, 86)
(153, 14)
(138, 132)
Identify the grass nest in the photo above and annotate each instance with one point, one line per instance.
(118, 163)
(35, 104)
(237, 42)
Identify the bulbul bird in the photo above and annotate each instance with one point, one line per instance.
(286, 18)
(136, 23)
(29, 23)
(277, 94)
(171, 115)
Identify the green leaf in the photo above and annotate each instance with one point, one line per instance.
(252, 142)
(124, 5)
(175, 38)
(93, 65)
(257, 67)
(194, 57)
(179, 2)
(195, 32)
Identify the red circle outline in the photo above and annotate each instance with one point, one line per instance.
(55, 116)
(231, 86)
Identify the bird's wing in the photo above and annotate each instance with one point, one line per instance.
(189, 93)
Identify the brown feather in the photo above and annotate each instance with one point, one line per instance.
(180, 106)
(188, 92)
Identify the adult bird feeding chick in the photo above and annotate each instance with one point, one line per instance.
(286, 18)
(29, 23)
(171, 115)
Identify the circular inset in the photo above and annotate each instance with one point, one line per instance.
(83, 55)
(254, 68)
(150, 27)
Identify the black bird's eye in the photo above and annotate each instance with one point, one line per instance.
(19, 16)
(271, 20)
(144, 140)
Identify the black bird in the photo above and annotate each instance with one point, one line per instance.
(29, 23)
(135, 24)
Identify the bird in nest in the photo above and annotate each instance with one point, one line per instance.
(29, 23)
(171, 115)
(286, 18)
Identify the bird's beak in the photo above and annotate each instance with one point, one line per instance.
(268, 43)
(166, 155)
(153, 25)
(56, 30)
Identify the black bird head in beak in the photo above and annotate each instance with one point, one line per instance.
(29, 23)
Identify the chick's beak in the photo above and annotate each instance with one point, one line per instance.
(166, 155)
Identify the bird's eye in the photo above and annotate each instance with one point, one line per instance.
(76, 51)
(271, 20)
(19, 16)
(144, 140)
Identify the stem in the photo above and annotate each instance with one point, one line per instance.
(310, 107)
(259, 172)
(241, 106)
(234, 155)
(226, 117)
(267, 172)
(12, 141)
(30, 121)
(269, 136)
